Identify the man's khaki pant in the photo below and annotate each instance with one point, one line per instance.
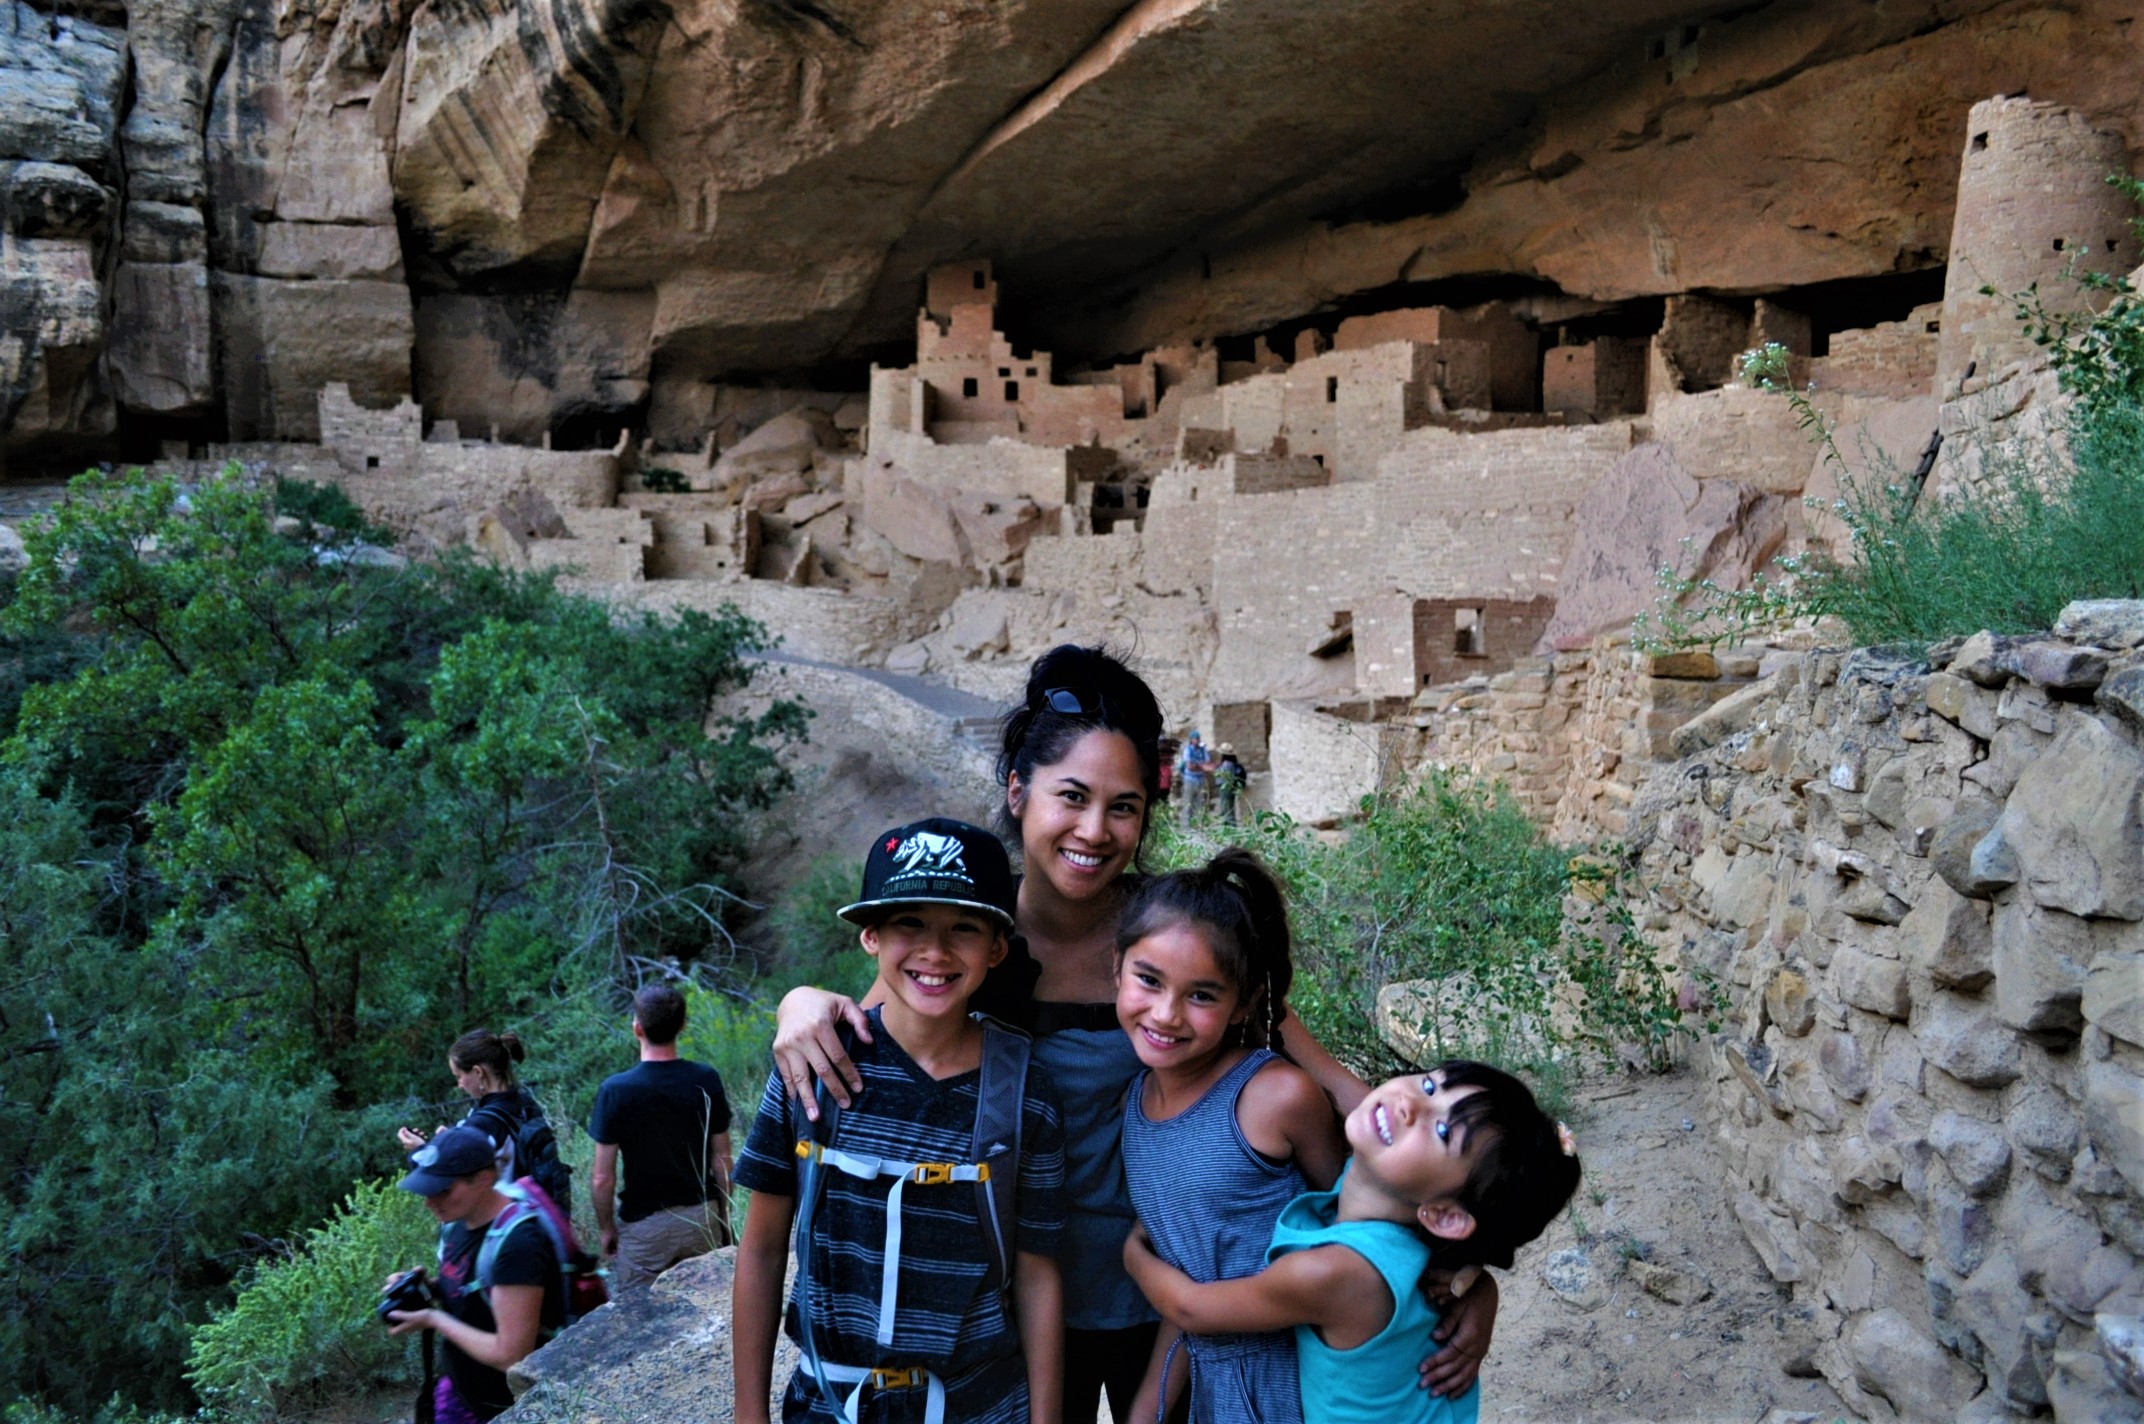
(653, 1244)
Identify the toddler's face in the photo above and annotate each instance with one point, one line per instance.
(1404, 1136)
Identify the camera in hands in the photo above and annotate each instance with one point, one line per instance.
(409, 1292)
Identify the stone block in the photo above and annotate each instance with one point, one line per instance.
(2114, 1116)
(1920, 1378)
(1789, 1001)
(1959, 701)
(2083, 1390)
(1771, 1236)
(1863, 1171)
(1975, 1152)
(1966, 1041)
(2076, 823)
(2116, 624)
(2043, 1126)
(1952, 852)
(1688, 664)
(2113, 998)
(1948, 937)
(1979, 659)
(2123, 694)
(1844, 1064)
(1870, 982)
(2121, 1337)
(1998, 1312)
(1671, 1285)
(2046, 663)
(2040, 958)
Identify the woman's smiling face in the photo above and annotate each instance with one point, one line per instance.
(1082, 815)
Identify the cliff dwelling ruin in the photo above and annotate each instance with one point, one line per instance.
(1356, 366)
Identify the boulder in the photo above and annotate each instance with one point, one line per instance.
(2083, 1390)
(1962, 857)
(2040, 959)
(2116, 624)
(2114, 1116)
(1920, 1378)
(1948, 937)
(2076, 823)
(1576, 1281)
(1975, 1151)
(1966, 1041)
(784, 445)
(1645, 514)
(159, 359)
(2121, 1345)
(2113, 998)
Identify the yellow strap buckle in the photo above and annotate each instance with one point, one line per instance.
(805, 1148)
(911, 1378)
(932, 1174)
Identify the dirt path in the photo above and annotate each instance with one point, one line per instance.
(1651, 1202)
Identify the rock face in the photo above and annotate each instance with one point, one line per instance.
(1932, 1121)
(572, 215)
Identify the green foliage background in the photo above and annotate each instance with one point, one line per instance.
(277, 823)
(1448, 882)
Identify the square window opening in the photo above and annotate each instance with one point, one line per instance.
(971, 388)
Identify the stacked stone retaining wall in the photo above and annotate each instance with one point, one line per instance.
(1917, 894)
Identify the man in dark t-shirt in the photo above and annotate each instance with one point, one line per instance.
(669, 1119)
(489, 1323)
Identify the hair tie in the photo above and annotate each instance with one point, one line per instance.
(1566, 1141)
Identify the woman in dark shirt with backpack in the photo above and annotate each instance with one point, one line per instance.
(482, 1063)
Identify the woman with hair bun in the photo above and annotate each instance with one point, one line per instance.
(482, 1063)
(1080, 761)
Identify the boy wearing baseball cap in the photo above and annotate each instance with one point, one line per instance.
(910, 1302)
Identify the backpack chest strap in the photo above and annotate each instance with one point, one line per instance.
(934, 1399)
(928, 1174)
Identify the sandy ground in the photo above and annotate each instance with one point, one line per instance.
(1651, 1192)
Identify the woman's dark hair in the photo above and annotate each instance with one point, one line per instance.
(481, 1048)
(1072, 691)
(1239, 905)
(1522, 1176)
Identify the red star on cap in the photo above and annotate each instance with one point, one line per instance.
(893, 843)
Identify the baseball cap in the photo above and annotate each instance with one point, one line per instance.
(938, 861)
(451, 1155)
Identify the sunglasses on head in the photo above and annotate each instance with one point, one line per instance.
(1068, 702)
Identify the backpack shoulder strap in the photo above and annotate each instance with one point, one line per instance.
(811, 1186)
(999, 1102)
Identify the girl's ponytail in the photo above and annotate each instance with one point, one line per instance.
(481, 1048)
(1271, 947)
(1239, 904)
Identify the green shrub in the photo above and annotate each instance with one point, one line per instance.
(275, 828)
(1450, 883)
(808, 942)
(302, 1329)
(734, 1037)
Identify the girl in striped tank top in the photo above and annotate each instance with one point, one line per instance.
(1220, 1131)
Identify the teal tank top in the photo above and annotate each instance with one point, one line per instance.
(1377, 1382)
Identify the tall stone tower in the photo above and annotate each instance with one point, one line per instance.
(2031, 192)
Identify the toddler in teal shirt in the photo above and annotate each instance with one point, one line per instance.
(1462, 1153)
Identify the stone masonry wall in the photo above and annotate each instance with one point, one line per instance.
(1920, 896)
(1573, 736)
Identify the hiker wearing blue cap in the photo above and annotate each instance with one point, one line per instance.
(499, 1275)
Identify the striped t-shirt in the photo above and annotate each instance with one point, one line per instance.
(947, 1319)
